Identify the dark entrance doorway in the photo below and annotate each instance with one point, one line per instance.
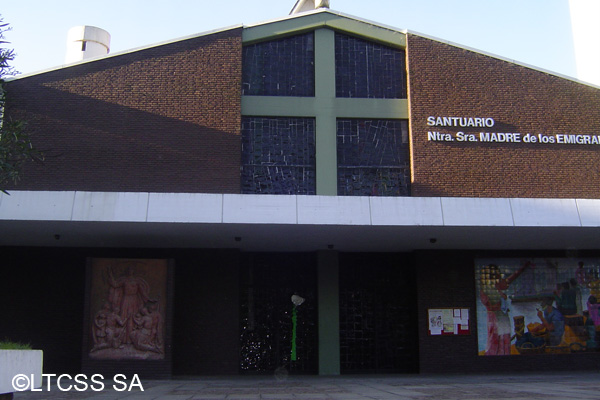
(268, 282)
(378, 314)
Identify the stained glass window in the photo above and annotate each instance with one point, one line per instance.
(366, 69)
(278, 155)
(284, 67)
(373, 157)
(266, 313)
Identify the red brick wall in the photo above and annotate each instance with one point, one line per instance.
(448, 81)
(163, 119)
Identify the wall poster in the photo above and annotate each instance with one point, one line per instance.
(127, 309)
(449, 321)
(538, 305)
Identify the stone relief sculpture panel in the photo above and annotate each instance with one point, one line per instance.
(127, 309)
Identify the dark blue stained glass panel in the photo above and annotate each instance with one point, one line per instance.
(366, 69)
(266, 314)
(278, 155)
(284, 67)
(373, 157)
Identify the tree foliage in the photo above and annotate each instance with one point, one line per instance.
(15, 144)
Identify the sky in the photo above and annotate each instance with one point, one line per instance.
(533, 32)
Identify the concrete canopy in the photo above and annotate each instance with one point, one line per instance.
(295, 223)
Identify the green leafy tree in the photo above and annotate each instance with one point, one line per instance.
(15, 144)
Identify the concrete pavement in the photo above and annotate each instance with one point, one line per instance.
(549, 386)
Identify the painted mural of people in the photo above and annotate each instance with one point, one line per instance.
(590, 328)
(496, 302)
(566, 299)
(594, 310)
(578, 296)
(581, 274)
(553, 321)
(129, 293)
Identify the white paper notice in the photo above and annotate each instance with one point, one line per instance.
(435, 322)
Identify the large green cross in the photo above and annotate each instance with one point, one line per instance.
(325, 107)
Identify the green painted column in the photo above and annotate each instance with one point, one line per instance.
(329, 312)
(326, 154)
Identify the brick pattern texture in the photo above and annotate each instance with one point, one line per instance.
(448, 81)
(162, 119)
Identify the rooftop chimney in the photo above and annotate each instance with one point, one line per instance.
(86, 42)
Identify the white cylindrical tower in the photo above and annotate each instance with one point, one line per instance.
(86, 42)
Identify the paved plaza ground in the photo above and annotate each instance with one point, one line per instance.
(550, 386)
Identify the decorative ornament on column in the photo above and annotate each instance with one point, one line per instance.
(297, 301)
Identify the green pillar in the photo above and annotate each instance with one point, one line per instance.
(326, 153)
(329, 313)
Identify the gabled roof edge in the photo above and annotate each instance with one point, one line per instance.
(303, 14)
(120, 53)
(135, 49)
(502, 58)
(328, 11)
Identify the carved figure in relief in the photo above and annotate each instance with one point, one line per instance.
(156, 332)
(115, 329)
(99, 328)
(141, 337)
(129, 293)
(129, 325)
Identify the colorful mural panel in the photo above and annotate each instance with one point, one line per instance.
(537, 306)
(127, 309)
